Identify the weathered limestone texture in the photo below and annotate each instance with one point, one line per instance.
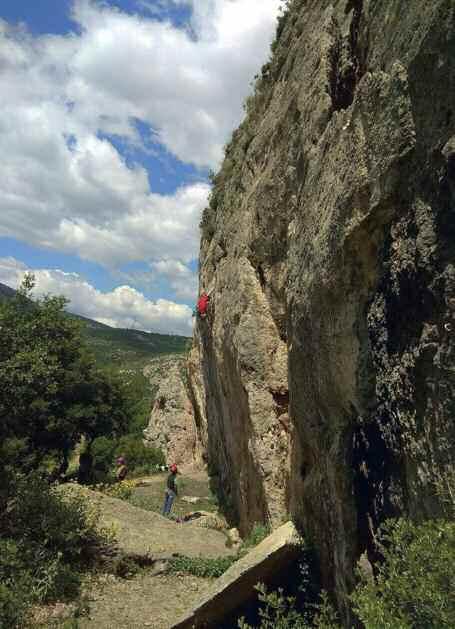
(172, 425)
(331, 235)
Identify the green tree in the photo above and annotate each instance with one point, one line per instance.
(51, 391)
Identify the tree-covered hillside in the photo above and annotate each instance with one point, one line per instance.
(119, 347)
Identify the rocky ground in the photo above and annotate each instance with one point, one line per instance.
(147, 599)
(195, 485)
(143, 601)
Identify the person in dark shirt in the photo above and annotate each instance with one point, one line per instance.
(122, 469)
(171, 490)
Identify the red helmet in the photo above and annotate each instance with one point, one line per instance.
(173, 468)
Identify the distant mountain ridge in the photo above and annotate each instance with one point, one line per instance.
(6, 291)
(119, 345)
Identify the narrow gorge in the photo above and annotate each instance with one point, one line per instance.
(321, 384)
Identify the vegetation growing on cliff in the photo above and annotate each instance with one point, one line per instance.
(413, 587)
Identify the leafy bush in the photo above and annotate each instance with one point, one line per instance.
(122, 490)
(47, 539)
(201, 566)
(102, 450)
(413, 587)
(257, 534)
(415, 584)
(14, 601)
(140, 459)
(137, 455)
(280, 611)
(15, 584)
(41, 517)
(51, 391)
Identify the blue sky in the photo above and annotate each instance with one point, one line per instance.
(54, 16)
(115, 112)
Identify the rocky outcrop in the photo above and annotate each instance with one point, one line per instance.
(196, 393)
(173, 421)
(329, 247)
(236, 586)
(145, 535)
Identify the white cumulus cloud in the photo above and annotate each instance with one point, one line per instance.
(63, 185)
(182, 280)
(124, 307)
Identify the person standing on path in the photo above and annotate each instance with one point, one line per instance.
(122, 469)
(171, 490)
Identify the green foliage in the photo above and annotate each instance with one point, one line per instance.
(129, 349)
(47, 539)
(201, 566)
(139, 398)
(413, 587)
(15, 584)
(258, 533)
(122, 490)
(13, 602)
(102, 450)
(52, 392)
(137, 395)
(138, 457)
(301, 605)
(39, 516)
(415, 583)
(278, 611)
(325, 616)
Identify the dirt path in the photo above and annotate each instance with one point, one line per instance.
(144, 601)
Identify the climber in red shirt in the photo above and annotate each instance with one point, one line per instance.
(202, 305)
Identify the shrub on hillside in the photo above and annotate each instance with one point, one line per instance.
(51, 391)
(279, 611)
(47, 539)
(141, 460)
(102, 450)
(257, 534)
(60, 524)
(122, 490)
(206, 567)
(413, 587)
(415, 583)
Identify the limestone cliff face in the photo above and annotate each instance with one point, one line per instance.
(329, 244)
(172, 426)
